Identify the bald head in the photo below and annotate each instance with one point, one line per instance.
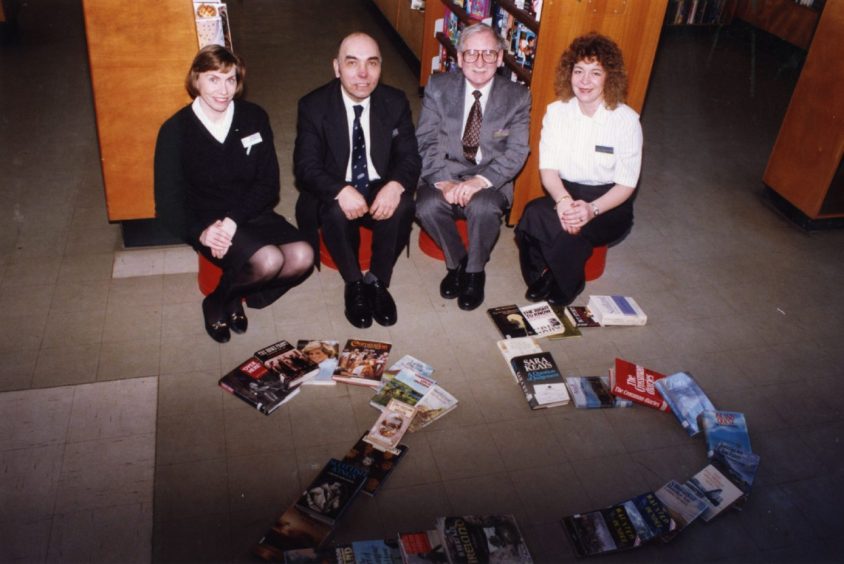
(358, 65)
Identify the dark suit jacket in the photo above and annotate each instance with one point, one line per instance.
(504, 139)
(322, 150)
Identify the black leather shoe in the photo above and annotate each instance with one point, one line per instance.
(237, 319)
(556, 297)
(541, 288)
(472, 293)
(383, 306)
(451, 284)
(217, 329)
(358, 308)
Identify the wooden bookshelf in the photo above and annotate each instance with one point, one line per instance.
(409, 24)
(784, 18)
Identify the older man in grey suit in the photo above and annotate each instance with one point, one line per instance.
(473, 138)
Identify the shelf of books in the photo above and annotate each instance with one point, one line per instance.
(699, 12)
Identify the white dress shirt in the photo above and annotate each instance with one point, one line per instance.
(364, 123)
(218, 129)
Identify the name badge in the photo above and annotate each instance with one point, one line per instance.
(603, 149)
(250, 140)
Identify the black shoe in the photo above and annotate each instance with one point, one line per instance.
(237, 319)
(556, 297)
(451, 285)
(541, 288)
(217, 329)
(472, 293)
(383, 306)
(358, 308)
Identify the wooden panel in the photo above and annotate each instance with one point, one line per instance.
(390, 9)
(411, 27)
(434, 10)
(139, 54)
(810, 143)
(634, 25)
(784, 18)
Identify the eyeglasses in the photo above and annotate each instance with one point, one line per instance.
(488, 55)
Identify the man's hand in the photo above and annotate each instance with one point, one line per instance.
(352, 203)
(447, 187)
(468, 188)
(386, 201)
(216, 238)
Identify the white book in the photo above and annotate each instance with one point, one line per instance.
(616, 310)
(511, 348)
(542, 319)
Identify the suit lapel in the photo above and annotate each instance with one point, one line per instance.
(454, 101)
(337, 129)
(380, 136)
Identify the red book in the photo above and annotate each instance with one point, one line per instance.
(636, 383)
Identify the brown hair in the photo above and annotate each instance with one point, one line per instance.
(594, 47)
(215, 58)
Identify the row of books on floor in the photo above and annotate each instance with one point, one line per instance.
(462, 539)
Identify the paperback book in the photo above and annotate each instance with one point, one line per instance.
(511, 348)
(510, 321)
(378, 464)
(288, 362)
(637, 383)
(739, 466)
(727, 427)
(569, 328)
(540, 380)
(332, 491)
(436, 403)
(593, 392)
(580, 316)
(686, 399)
(324, 354)
(412, 363)
(390, 427)
(362, 362)
(421, 547)
(293, 530)
(261, 388)
(406, 386)
(542, 319)
(616, 310)
(488, 538)
(377, 551)
(682, 503)
(335, 555)
(715, 489)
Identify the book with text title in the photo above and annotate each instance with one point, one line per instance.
(593, 392)
(376, 551)
(540, 380)
(510, 321)
(580, 316)
(407, 386)
(483, 538)
(739, 466)
(542, 319)
(421, 547)
(686, 399)
(362, 362)
(258, 386)
(715, 489)
(390, 427)
(729, 427)
(637, 383)
(616, 310)
(288, 362)
(378, 464)
(332, 491)
(511, 348)
(682, 504)
(434, 405)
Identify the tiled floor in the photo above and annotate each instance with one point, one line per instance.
(736, 295)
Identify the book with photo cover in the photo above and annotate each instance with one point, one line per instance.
(511, 348)
(422, 547)
(483, 538)
(715, 489)
(593, 392)
(540, 380)
(334, 555)
(332, 491)
(261, 388)
(362, 362)
(293, 530)
(510, 321)
(739, 466)
(325, 354)
(686, 399)
(569, 328)
(377, 551)
(682, 504)
(390, 427)
(542, 319)
(729, 427)
(406, 386)
(379, 464)
(436, 403)
(637, 383)
(288, 362)
(616, 310)
(580, 316)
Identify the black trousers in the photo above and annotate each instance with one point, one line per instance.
(389, 237)
(544, 244)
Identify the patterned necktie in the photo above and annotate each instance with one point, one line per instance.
(472, 133)
(360, 173)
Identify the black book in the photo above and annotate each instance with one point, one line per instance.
(540, 380)
(332, 491)
(288, 362)
(259, 387)
(380, 464)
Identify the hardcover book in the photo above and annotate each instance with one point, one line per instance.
(390, 427)
(580, 316)
(511, 348)
(406, 386)
(737, 465)
(488, 538)
(637, 383)
(686, 399)
(421, 547)
(616, 310)
(540, 380)
(332, 491)
(510, 321)
(293, 530)
(436, 403)
(728, 427)
(362, 362)
(288, 362)
(542, 319)
(715, 489)
(379, 464)
(324, 354)
(259, 387)
(593, 392)
(682, 504)
(412, 363)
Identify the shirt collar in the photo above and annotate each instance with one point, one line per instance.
(350, 104)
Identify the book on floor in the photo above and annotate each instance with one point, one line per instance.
(593, 392)
(511, 348)
(510, 321)
(332, 491)
(258, 386)
(715, 489)
(739, 466)
(421, 547)
(569, 327)
(616, 310)
(293, 530)
(376, 551)
(540, 380)
(412, 363)
(542, 319)
(325, 354)
(580, 316)
(682, 504)
(483, 538)
(379, 464)
(406, 386)
(362, 362)
(434, 405)
(686, 399)
(390, 427)
(332, 555)
(636, 383)
(728, 427)
(288, 362)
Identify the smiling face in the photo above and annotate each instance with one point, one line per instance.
(216, 91)
(479, 72)
(358, 66)
(587, 83)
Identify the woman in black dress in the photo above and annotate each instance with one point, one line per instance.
(216, 184)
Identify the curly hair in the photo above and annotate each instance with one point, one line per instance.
(593, 47)
(215, 58)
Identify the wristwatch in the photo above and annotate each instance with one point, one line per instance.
(595, 209)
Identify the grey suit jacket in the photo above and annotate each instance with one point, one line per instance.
(504, 139)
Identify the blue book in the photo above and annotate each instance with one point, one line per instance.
(685, 398)
(728, 427)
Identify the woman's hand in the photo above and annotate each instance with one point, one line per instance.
(216, 238)
(574, 216)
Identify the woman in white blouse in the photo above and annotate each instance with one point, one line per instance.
(590, 154)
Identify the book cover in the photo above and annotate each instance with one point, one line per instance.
(637, 383)
(728, 427)
(379, 464)
(293, 530)
(406, 386)
(511, 348)
(436, 403)
(377, 551)
(483, 538)
(616, 310)
(715, 489)
(332, 491)
(569, 328)
(542, 319)
(288, 362)
(510, 321)
(314, 556)
(580, 316)
(362, 362)
(324, 354)
(259, 387)
(739, 466)
(593, 392)
(682, 504)
(390, 427)
(412, 363)
(686, 399)
(540, 380)
(422, 547)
